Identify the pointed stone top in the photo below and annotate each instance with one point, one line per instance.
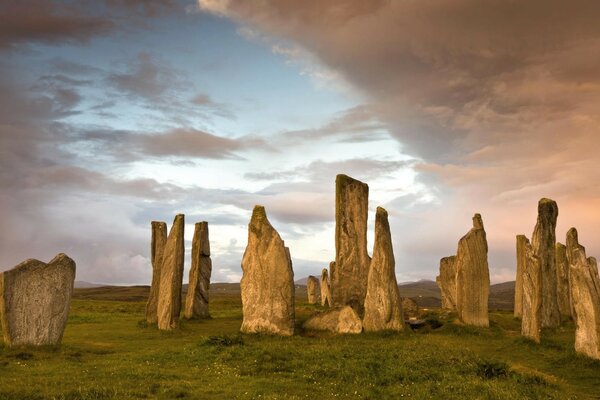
(324, 272)
(477, 221)
(382, 211)
(259, 213)
(572, 238)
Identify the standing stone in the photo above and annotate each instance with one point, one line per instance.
(383, 308)
(410, 308)
(562, 281)
(446, 281)
(543, 242)
(585, 291)
(157, 247)
(196, 304)
(325, 288)
(34, 301)
(472, 276)
(267, 283)
(171, 277)
(337, 320)
(350, 275)
(522, 243)
(531, 310)
(312, 289)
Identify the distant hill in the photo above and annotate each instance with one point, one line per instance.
(87, 285)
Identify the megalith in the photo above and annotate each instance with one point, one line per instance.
(446, 281)
(267, 283)
(383, 307)
(410, 308)
(562, 281)
(196, 302)
(531, 296)
(312, 289)
(522, 245)
(34, 301)
(325, 288)
(157, 247)
(472, 276)
(336, 320)
(171, 277)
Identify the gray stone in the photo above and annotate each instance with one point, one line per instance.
(383, 308)
(410, 308)
(562, 281)
(171, 277)
(351, 272)
(196, 304)
(157, 247)
(336, 320)
(267, 283)
(325, 288)
(312, 290)
(446, 281)
(472, 276)
(522, 243)
(34, 301)
(543, 242)
(531, 310)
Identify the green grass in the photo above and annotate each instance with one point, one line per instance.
(109, 352)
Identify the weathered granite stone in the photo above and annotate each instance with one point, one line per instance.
(157, 247)
(531, 310)
(337, 320)
(446, 281)
(171, 277)
(410, 308)
(543, 242)
(522, 243)
(34, 301)
(196, 302)
(585, 292)
(472, 276)
(325, 288)
(312, 289)
(562, 281)
(350, 275)
(268, 280)
(383, 308)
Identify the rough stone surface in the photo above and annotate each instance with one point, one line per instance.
(522, 243)
(531, 310)
(350, 275)
(543, 242)
(472, 276)
(157, 247)
(325, 288)
(196, 302)
(562, 281)
(312, 289)
(410, 308)
(34, 301)
(337, 320)
(171, 277)
(446, 281)
(267, 283)
(383, 308)
(585, 292)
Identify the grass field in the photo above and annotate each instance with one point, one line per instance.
(109, 352)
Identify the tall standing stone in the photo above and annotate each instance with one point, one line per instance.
(446, 281)
(585, 292)
(351, 272)
(383, 307)
(171, 277)
(34, 301)
(325, 288)
(562, 281)
(312, 290)
(267, 283)
(522, 244)
(472, 276)
(196, 302)
(157, 247)
(531, 310)
(543, 242)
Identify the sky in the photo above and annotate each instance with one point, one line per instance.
(114, 113)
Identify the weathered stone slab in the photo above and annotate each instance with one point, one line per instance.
(562, 281)
(543, 242)
(383, 308)
(410, 308)
(34, 301)
(337, 320)
(350, 275)
(522, 243)
(325, 288)
(585, 292)
(312, 290)
(446, 281)
(531, 310)
(472, 276)
(196, 302)
(267, 283)
(171, 277)
(157, 247)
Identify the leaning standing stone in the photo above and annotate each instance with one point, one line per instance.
(325, 289)
(171, 277)
(312, 289)
(383, 308)
(34, 301)
(196, 304)
(531, 310)
(522, 245)
(446, 281)
(267, 283)
(157, 247)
